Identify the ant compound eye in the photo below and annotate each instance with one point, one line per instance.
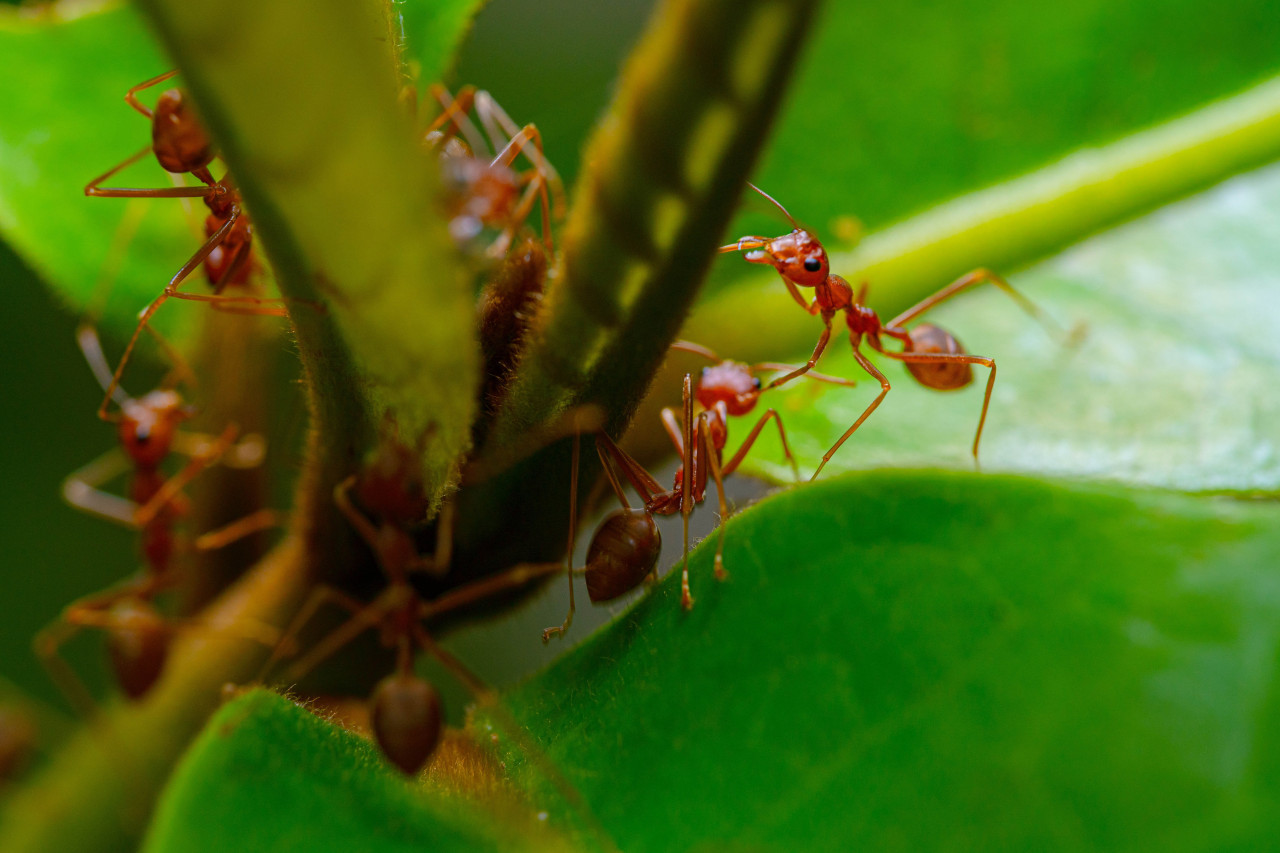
(812, 264)
(756, 383)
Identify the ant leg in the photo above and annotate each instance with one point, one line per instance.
(945, 358)
(247, 453)
(733, 463)
(454, 119)
(884, 389)
(131, 96)
(700, 350)
(611, 475)
(674, 430)
(209, 245)
(494, 117)
(177, 482)
(813, 359)
(362, 620)
(263, 519)
(81, 489)
(562, 629)
(641, 480)
(516, 577)
(438, 563)
(686, 489)
(358, 520)
(978, 276)
(321, 595)
(718, 474)
(86, 612)
(91, 346)
(768, 366)
(95, 188)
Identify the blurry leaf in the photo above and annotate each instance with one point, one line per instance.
(432, 31)
(64, 123)
(924, 660)
(268, 775)
(1173, 385)
(900, 106)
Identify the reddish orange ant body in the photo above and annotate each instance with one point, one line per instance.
(182, 146)
(149, 429)
(483, 188)
(935, 358)
(383, 503)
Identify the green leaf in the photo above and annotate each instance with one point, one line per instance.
(1173, 384)
(268, 775)
(928, 660)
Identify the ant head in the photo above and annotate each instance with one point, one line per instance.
(179, 140)
(798, 256)
(390, 486)
(731, 384)
(147, 426)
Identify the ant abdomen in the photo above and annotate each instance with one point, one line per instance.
(407, 719)
(138, 643)
(179, 140)
(623, 552)
(943, 375)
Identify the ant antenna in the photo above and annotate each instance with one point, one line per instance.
(778, 205)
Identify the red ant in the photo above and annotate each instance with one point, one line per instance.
(935, 358)
(383, 503)
(181, 145)
(149, 430)
(625, 546)
(484, 190)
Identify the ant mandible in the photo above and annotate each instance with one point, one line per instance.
(149, 430)
(181, 146)
(934, 357)
(483, 188)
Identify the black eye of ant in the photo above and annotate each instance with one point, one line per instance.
(812, 264)
(756, 383)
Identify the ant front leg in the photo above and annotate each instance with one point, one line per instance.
(497, 123)
(884, 390)
(818, 350)
(82, 489)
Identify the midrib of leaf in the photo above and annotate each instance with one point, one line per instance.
(1012, 224)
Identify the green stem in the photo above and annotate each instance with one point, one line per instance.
(304, 106)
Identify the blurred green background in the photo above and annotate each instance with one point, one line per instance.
(896, 107)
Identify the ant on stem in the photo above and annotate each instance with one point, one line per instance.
(182, 146)
(483, 188)
(149, 429)
(934, 357)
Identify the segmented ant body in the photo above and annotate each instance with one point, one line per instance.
(484, 189)
(149, 430)
(182, 146)
(934, 357)
(383, 503)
